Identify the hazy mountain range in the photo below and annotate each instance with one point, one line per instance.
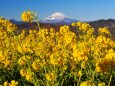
(61, 19)
(58, 19)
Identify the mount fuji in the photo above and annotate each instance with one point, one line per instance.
(58, 18)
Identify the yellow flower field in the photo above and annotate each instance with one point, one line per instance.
(47, 57)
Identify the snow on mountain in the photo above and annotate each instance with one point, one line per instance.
(58, 18)
(57, 15)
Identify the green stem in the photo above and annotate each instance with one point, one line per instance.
(78, 83)
(38, 24)
(110, 80)
(62, 82)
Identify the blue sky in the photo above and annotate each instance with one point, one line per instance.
(83, 10)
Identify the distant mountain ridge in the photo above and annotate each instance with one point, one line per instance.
(110, 23)
(16, 22)
(61, 19)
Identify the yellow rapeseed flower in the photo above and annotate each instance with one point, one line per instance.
(80, 73)
(101, 84)
(85, 83)
(104, 31)
(50, 76)
(13, 83)
(35, 65)
(29, 75)
(28, 16)
(6, 83)
(23, 72)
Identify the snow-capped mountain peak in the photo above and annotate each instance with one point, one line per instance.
(57, 15)
(58, 18)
